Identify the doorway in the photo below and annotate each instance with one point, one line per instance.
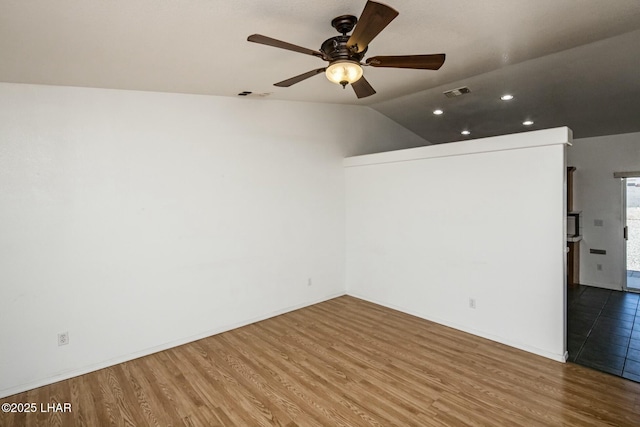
(631, 211)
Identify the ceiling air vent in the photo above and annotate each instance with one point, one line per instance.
(252, 94)
(456, 92)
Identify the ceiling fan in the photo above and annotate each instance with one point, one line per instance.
(345, 53)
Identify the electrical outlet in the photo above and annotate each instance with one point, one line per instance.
(472, 303)
(599, 267)
(63, 338)
(309, 282)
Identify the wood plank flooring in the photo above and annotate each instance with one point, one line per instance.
(344, 362)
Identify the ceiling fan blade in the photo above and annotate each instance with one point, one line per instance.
(421, 62)
(375, 17)
(362, 88)
(258, 38)
(298, 79)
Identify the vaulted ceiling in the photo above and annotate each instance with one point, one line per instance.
(567, 62)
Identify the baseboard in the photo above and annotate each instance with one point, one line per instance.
(603, 286)
(151, 350)
(549, 355)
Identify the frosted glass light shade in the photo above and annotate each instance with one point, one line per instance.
(344, 72)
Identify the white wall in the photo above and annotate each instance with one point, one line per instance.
(137, 221)
(599, 196)
(431, 227)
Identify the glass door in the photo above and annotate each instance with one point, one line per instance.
(632, 231)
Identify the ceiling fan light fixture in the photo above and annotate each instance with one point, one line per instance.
(345, 53)
(344, 72)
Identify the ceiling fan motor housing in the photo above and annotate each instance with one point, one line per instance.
(336, 49)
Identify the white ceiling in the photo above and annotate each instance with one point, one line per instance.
(568, 62)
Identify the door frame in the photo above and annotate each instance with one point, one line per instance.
(623, 183)
(625, 231)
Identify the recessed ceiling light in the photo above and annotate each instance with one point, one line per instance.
(466, 132)
(438, 112)
(527, 122)
(506, 97)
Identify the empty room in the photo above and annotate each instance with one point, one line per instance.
(299, 213)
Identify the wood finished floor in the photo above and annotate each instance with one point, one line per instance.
(344, 362)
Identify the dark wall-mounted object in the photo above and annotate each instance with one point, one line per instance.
(598, 251)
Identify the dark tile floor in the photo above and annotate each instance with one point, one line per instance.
(603, 330)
